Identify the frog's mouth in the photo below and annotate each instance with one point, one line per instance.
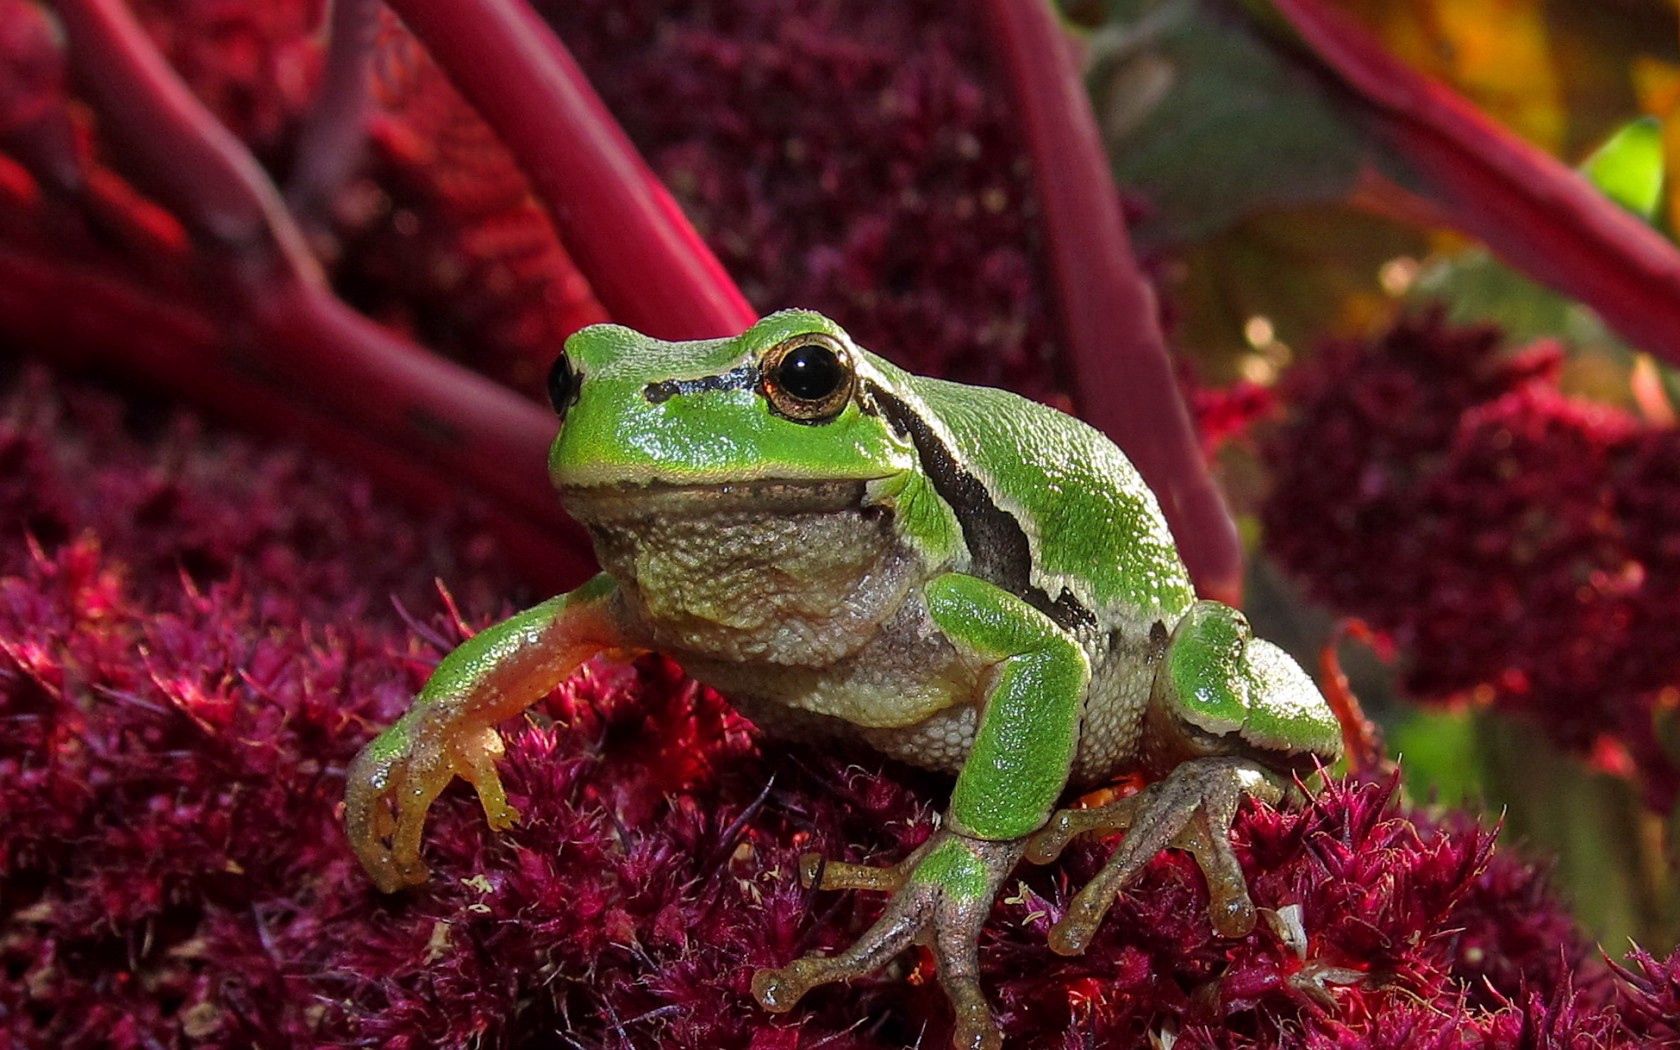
(603, 504)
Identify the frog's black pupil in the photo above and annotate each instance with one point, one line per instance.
(810, 373)
(562, 384)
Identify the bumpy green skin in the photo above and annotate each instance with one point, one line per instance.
(1015, 576)
(1222, 680)
(1094, 524)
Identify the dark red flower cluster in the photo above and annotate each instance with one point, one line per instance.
(196, 636)
(851, 157)
(1517, 544)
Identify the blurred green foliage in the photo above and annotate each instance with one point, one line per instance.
(1271, 214)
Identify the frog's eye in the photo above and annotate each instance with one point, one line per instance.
(562, 385)
(807, 378)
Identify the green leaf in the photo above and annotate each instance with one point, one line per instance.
(1609, 852)
(1629, 167)
(1210, 122)
(1439, 755)
(1477, 288)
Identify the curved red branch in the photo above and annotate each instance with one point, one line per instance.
(177, 347)
(1538, 214)
(171, 145)
(308, 348)
(648, 266)
(1123, 378)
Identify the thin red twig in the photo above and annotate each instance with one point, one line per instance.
(1362, 741)
(1535, 212)
(1123, 378)
(331, 139)
(648, 266)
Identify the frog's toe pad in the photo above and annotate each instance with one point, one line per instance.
(780, 989)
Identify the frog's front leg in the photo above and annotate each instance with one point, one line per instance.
(450, 730)
(1023, 748)
(1225, 712)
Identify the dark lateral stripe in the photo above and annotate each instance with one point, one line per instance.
(997, 545)
(743, 377)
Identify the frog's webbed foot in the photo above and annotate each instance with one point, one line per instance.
(393, 782)
(1191, 809)
(942, 894)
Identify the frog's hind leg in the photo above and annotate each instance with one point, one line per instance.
(1192, 809)
(1035, 683)
(1226, 716)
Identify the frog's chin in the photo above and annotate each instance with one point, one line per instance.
(602, 504)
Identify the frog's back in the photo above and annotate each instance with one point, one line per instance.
(1095, 532)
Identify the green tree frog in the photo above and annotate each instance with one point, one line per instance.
(953, 575)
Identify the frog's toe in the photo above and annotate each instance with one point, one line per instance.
(1068, 824)
(476, 761)
(777, 990)
(975, 1030)
(1192, 809)
(391, 785)
(956, 946)
(944, 893)
(818, 872)
(369, 818)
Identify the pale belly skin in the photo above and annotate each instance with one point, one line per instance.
(907, 659)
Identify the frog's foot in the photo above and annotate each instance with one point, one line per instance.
(942, 895)
(1191, 809)
(392, 783)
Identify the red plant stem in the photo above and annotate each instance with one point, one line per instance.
(36, 127)
(317, 353)
(1123, 378)
(1362, 742)
(1535, 212)
(174, 347)
(648, 266)
(330, 142)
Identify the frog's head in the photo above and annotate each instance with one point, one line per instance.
(728, 484)
(777, 413)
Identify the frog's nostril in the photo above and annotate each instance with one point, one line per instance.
(563, 382)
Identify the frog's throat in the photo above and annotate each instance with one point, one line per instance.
(607, 504)
(763, 573)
